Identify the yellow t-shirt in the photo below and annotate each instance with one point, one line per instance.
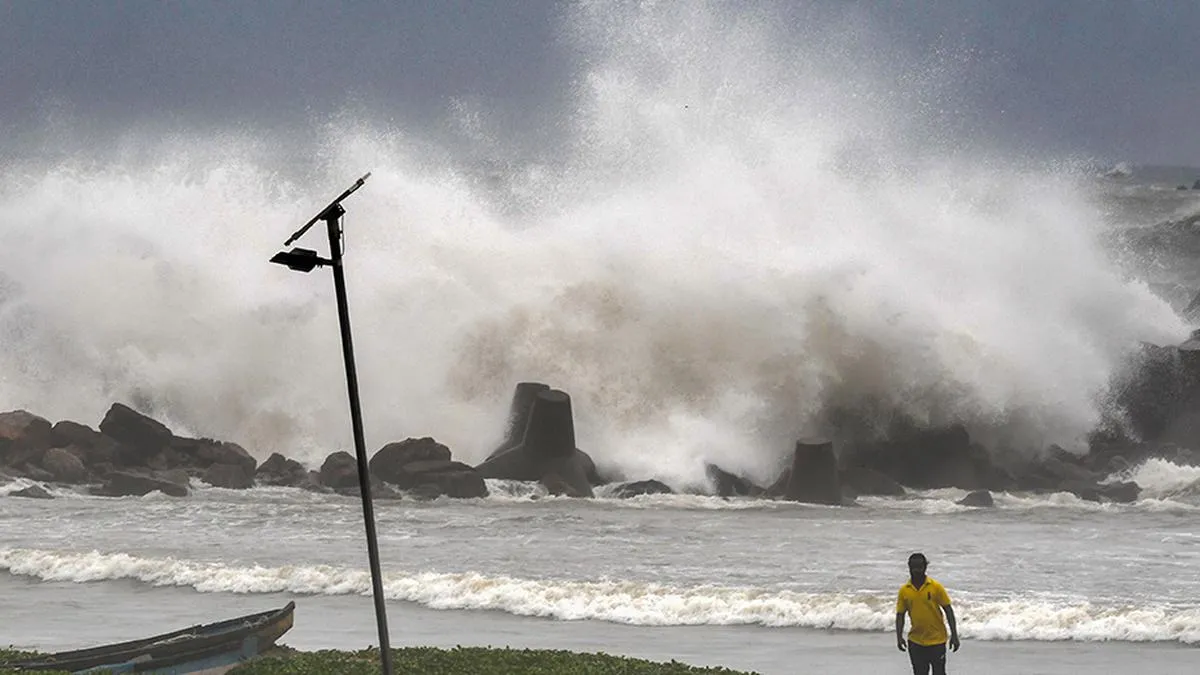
(924, 606)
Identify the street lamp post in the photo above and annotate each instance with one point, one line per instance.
(304, 260)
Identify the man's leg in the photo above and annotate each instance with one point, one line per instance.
(937, 658)
(919, 657)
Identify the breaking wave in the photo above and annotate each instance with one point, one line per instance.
(635, 603)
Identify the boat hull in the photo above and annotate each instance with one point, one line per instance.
(209, 649)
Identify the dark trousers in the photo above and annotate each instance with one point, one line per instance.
(923, 658)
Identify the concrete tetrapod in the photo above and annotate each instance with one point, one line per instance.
(518, 415)
(547, 447)
(813, 477)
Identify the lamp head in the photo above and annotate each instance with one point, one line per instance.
(299, 259)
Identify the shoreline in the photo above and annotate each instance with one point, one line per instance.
(346, 624)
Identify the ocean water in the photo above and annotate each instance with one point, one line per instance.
(733, 233)
(1044, 584)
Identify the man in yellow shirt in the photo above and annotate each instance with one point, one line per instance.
(925, 600)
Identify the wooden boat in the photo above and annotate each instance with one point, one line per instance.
(208, 649)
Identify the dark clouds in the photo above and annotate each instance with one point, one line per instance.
(1113, 79)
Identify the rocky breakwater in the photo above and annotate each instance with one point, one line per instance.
(1154, 411)
(133, 454)
(130, 454)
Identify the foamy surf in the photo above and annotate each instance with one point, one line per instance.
(626, 602)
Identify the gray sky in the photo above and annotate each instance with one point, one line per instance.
(1117, 80)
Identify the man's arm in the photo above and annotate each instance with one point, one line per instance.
(900, 630)
(953, 627)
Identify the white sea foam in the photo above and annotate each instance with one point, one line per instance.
(18, 484)
(629, 602)
(1162, 479)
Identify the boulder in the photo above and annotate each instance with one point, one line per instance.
(466, 484)
(813, 477)
(232, 476)
(641, 487)
(201, 453)
(547, 447)
(440, 477)
(518, 415)
(928, 458)
(312, 483)
(557, 486)
(1057, 470)
(379, 491)
(35, 472)
(141, 436)
(20, 424)
(864, 480)
(389, 462)
(726, 484)
(64, 465)
(91, 446)
(425, 492)
(124, 483)
(23, 437)
(1121, 493)
(32, 492)
(981, 498)
(340, 470)
(177, 476)
(279, 470)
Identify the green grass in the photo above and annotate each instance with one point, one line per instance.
(465, 661)
(10, 655)
(430, 661)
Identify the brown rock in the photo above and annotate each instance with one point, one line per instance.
(232, 476)
(202, 453)
(35, 472)
(64, 465)
(726, 484)
(466, 484)
(867, 481)
(452, 479)
(388, 464)
(17, 424)
(32, 492)
(123, 483)
(141, 437)
(279, 470)
(641, 487)
(981, 498)
(557, 486)
(340, 470)
(179, 477)
(90, 446)
(23, 437)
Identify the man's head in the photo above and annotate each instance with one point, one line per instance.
(917, 564)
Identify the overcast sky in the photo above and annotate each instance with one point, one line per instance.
(1118, 80)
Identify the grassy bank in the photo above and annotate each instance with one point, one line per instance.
(465, 661)
(459, 661)
(10, 655)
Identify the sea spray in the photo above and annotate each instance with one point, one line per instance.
(740, 234)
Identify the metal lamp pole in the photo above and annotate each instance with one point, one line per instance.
(305, 260)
